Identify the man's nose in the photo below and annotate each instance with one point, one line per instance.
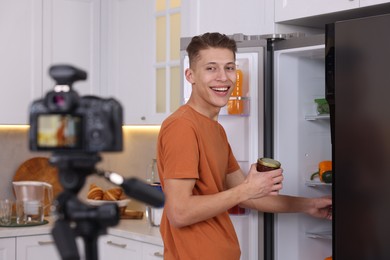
(222, 76)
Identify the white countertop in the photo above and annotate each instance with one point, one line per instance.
(136, 229)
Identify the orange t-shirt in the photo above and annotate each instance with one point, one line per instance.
(191, 145)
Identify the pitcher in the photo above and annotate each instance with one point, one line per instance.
(32, 194)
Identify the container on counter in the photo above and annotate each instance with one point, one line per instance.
(154, 214)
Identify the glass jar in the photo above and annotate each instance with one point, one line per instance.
(152, 173)
(267, 164)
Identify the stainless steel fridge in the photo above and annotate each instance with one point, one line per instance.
(358, 90)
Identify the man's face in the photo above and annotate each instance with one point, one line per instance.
(213, 77)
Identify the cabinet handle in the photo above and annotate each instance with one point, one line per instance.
(116, 244)
(43, 243)
(158, 254)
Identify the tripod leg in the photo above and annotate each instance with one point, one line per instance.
(91, 248)
(65, 240)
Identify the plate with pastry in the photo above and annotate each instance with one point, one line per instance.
(96, 196)
(120, 203)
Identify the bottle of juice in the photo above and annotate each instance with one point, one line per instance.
(236, 104)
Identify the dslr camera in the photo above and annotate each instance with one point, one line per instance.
(63, 121)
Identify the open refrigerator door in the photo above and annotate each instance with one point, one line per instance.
(301, 141)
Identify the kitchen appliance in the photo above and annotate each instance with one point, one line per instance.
(33, 194)
(283, 75)
(357, 88)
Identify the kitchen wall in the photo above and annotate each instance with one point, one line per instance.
(139, 148)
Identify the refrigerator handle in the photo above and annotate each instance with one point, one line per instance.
(330, 97)
(330, 75)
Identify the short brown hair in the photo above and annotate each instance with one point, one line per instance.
(210, 40)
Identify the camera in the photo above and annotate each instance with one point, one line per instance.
(64, 121)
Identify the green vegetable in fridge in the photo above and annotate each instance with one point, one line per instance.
(322, 106)
(327, 177)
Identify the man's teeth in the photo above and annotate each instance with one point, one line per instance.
(220, 89)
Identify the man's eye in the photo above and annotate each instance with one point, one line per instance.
(231, 68)
(210, 68)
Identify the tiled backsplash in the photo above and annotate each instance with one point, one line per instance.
(139, 148)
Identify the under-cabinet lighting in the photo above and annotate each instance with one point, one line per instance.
(14, 127)
(125, 127)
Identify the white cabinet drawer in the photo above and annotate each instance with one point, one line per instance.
(112, 247)
(153, 252)
(7, 248)
(36, 248)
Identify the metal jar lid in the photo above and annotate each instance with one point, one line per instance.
(269, 162)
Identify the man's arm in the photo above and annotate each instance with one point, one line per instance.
(316, 207)
(184, 208)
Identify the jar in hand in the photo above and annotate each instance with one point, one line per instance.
(267, 164)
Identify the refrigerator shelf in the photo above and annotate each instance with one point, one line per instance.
(316, 117)
(239, 98)
(315, 183)
(326, 234)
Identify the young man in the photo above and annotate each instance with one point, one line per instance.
(200, 176)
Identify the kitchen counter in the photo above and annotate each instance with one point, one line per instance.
(135, 229)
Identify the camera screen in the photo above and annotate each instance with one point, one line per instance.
(59, 131)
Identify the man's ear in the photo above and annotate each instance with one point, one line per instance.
(189, 76)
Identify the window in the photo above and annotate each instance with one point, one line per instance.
(167, 66)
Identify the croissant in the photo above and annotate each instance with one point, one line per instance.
(113, 194)
(95, 192)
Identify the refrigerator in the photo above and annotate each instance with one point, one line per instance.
(283, 74)
(358, 91)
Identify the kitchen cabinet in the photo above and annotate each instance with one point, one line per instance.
(372, 2)
(115, 247)
(36, 248)
(21, 58)
(37, 34)
(96, 39)
(128, 58)
(7, 248)
(71, 35)
(152, 252)
(251, 17)
(295, 9)
(289, 10)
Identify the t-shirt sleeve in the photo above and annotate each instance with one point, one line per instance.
(179, 150)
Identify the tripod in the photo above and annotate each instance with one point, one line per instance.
(77, 219)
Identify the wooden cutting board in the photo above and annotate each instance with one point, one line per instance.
(132, 214)
(39, 169)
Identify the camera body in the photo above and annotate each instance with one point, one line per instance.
(64, 121)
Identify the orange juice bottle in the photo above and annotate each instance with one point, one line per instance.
(236, 104)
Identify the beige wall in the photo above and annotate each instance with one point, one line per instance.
(139, 148)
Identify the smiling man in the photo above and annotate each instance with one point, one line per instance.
(200, 176)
